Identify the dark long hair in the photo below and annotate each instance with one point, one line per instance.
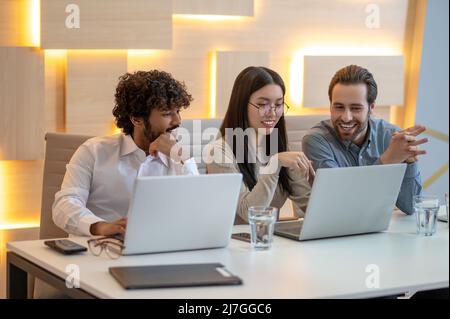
(247, 82)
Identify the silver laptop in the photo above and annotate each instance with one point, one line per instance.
(174, 213)
(348, 201)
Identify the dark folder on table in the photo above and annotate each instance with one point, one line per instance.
(166, 276)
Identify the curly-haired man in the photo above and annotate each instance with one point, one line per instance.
(98, 183)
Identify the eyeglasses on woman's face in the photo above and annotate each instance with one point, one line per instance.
(266, 108)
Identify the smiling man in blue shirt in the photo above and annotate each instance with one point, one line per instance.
(353, 138)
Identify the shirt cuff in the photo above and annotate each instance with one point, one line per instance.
(190, 167)
(273, 167)
(84, 225)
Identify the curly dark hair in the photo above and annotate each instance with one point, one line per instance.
(138, 93)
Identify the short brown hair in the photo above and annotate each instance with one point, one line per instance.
(138, 93)
(354, 74)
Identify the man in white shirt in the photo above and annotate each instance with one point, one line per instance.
(99, 179)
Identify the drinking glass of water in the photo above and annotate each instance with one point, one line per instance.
(426, 209)
(262, 223)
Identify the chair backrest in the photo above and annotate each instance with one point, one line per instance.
(58, 152)
(297, 126)
(60, 147)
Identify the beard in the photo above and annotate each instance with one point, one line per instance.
(152, 135)
(359, 129)
(149, 134)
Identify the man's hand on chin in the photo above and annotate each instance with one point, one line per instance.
(162, 144)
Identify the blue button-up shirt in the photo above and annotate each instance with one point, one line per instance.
(325, 149)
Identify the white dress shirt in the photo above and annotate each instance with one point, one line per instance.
(99, 181)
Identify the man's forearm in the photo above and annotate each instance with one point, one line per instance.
(411, 186)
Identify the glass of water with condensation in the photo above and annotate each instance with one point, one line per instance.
(426, 209)
(262, 223)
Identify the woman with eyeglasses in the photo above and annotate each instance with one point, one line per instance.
(253, 141)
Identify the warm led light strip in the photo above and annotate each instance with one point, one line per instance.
(141, 53)
(213, 85)
(11, 226)
(3, 207)
(207, 17)
(35, 22)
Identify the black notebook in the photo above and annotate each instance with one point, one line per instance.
(166, 276)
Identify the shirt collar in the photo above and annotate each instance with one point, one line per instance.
(128, 145)
(164, 159)
(372, 135)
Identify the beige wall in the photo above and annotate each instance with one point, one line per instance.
(282, 28)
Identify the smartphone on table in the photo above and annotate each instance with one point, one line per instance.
(242, 236)
(65, 246)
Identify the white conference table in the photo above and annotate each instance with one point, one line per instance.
(326, 268)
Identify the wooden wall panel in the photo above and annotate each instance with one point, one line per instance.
(91, 84)
(229, 65)
(387, 70)
(55, 77)
(20, 200)
(282, 28)
(21, 104)
(14, 22)
(193, 69)
(214, 7)
(107, 24)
